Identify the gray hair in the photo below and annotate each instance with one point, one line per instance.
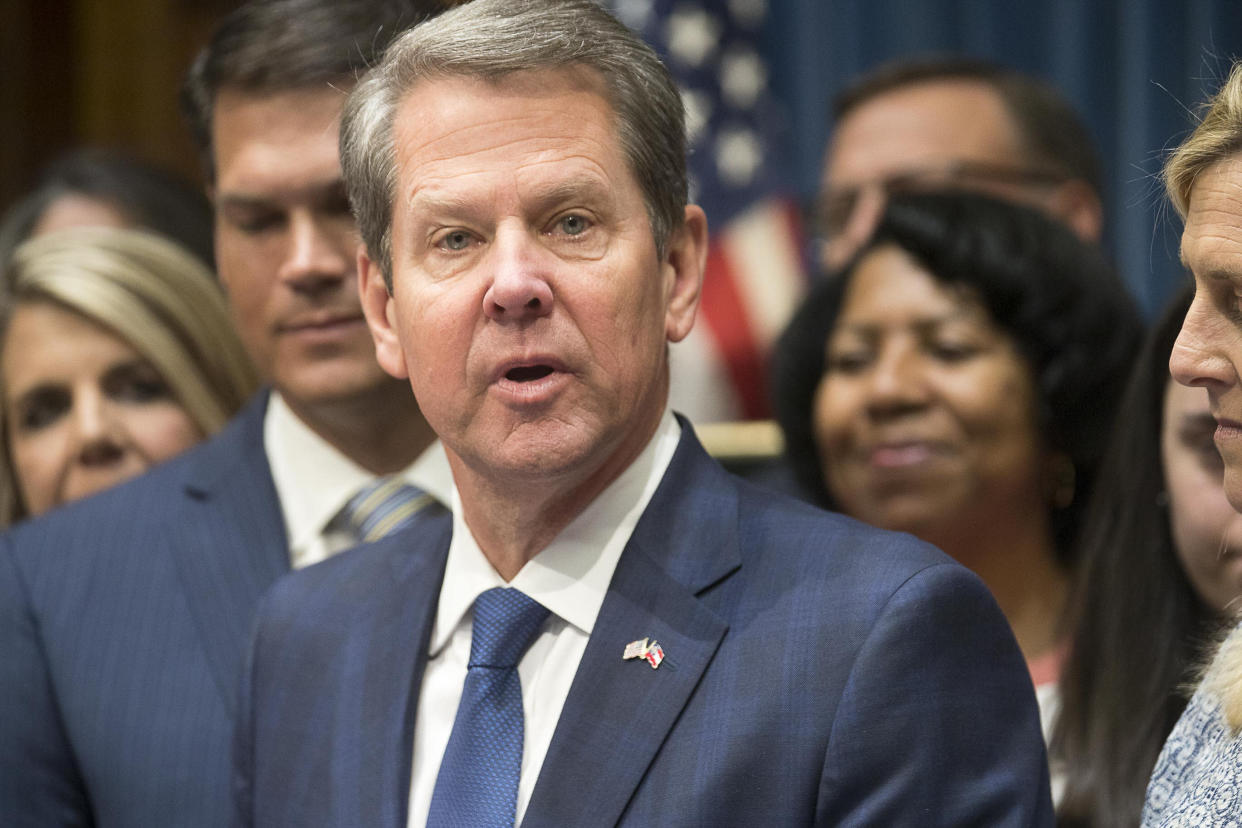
(488, 40)
(1218, 136)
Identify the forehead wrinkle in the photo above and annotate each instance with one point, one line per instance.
(586, 182)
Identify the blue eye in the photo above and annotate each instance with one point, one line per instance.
(573, 225)
(457, 240)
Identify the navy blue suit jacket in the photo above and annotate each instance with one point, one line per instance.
(123, 627)
(817, 672)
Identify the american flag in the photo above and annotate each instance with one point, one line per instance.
(755, 270)
(654, 654)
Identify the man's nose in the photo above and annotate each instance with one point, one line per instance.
(1197, 358)
(520, 289)
(313, 258)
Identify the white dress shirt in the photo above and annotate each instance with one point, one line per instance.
(570, 577)
(314, 481)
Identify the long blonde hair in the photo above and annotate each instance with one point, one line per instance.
(155, 296)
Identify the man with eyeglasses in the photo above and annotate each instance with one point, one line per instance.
(959, 123)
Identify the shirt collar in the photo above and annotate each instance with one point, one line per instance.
(571, 575)
(314, 480)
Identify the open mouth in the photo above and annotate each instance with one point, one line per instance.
(528, 373)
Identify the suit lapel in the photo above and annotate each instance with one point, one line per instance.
(228, 539)
(393, 672)
(618, 713)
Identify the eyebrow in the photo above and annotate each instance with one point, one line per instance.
(581, 188)
(321, 192)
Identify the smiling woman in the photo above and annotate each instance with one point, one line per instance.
(117, 354)
(956, 381)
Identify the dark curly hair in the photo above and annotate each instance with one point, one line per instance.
(1057, 298)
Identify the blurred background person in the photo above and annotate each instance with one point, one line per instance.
(1160, 573)
(117, 353)
(931, 122)
(957, 381)
(94, 187)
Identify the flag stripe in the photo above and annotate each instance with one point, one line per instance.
(726, 316)
(765, 250)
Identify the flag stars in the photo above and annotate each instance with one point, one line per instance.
(693, 35)
(698, 113)
(635, 13)
(748, 13)
(738, 156)
(742, 77)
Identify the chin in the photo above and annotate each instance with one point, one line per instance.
(1233, 487)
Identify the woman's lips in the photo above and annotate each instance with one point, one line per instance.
(1227, 429)
(900, 455)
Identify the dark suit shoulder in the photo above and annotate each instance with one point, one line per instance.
(338, 586)
(812, 545)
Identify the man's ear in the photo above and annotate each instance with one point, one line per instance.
(683, 271)
(380, 310)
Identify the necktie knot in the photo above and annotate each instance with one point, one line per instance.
(383, 506)
(506, 621)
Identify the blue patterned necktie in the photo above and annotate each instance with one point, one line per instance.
(382, 507)
(478, 780)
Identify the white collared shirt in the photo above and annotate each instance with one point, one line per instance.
(570, 577)
(314, 481)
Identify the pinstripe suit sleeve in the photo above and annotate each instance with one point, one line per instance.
(243, 732)
(39, 781)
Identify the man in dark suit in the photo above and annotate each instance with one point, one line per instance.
(123, 619)
(608, 629)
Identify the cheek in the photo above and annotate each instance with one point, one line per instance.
(1233, 485)
(435, 330)
(248, 273)
(39, 460)
(833, 411)
(999, 412)
(834, 427)
(162, 431)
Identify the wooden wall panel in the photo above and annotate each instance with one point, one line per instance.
(96, 72)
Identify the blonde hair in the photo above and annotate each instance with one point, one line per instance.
(1218, 136)
(155, 296)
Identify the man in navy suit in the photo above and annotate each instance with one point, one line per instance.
(123, 619)
(675, 646)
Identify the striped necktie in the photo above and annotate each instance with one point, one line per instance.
(382, 507)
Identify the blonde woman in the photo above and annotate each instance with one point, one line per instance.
(1198, 777)
(117, 353)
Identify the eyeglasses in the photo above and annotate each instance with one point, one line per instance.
(833, 212)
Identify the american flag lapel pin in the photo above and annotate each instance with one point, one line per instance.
(635, 649)
(654, 654)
